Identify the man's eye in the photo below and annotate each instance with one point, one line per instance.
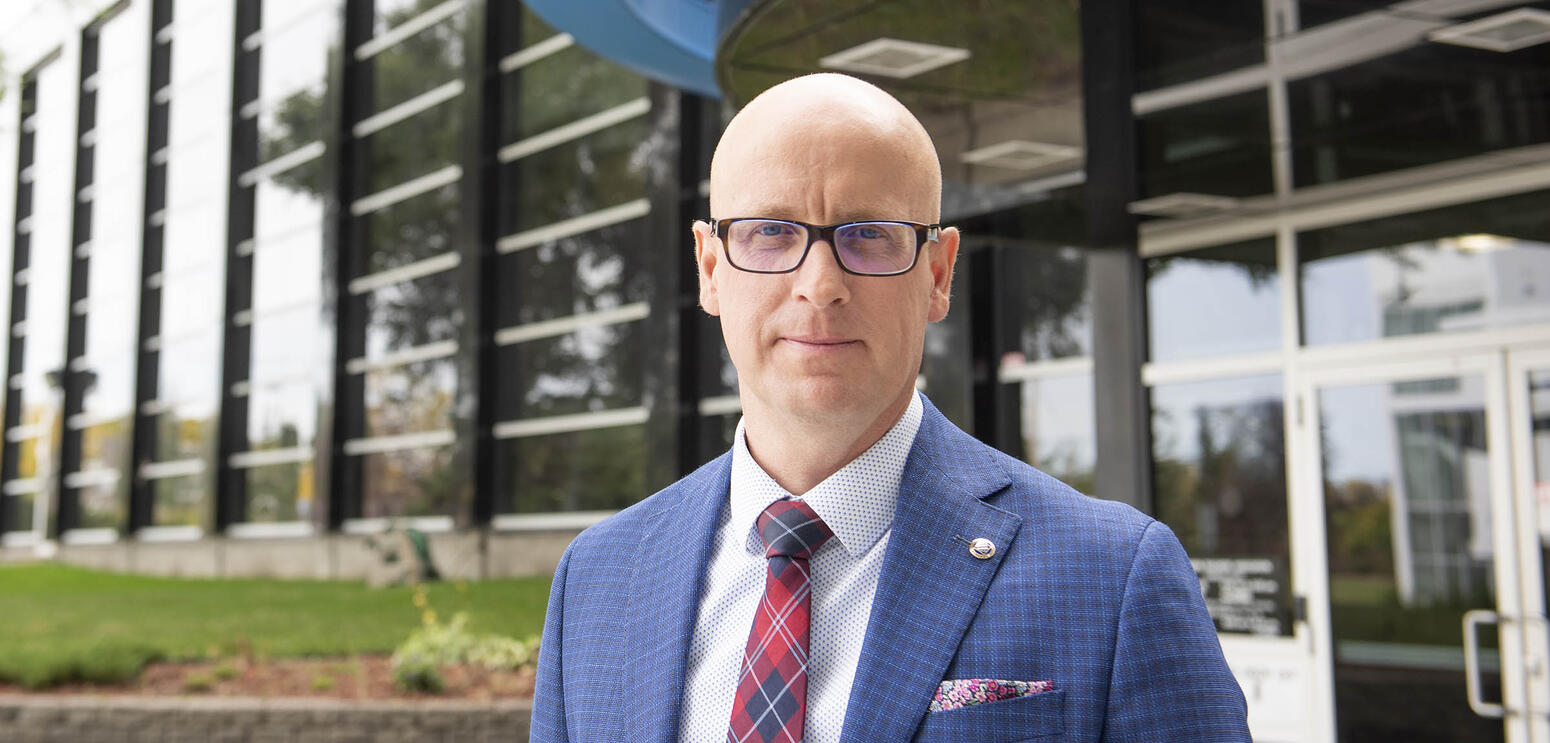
(868, 233)
(771, 230)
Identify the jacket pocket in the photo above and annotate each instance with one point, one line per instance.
(1008, 721)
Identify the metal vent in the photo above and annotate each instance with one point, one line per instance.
(1020, 154)
(1503, 32)
(1180, 205)
(893, 58)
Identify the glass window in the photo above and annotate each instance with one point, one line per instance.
(595, 172)
(186, 432)
(412, 313)
(1214, 301)
(288, 345)
(1468, 267)
(417, 482)
(1219, 472)
(593, 470)
(179, 501)
(103, 504)
(189, 369)
(1425, 104)
(1311, 13)
(280, 493)
(411, 398)
(109, 397)
(282, 416)
(418, 145)
(411, 230)
(1220, 147)
(419, 63)
(296, 50)
(288, 272)
(584, 273)
(1044, 299)
(1179, 41)
(599, 367)
(1059, 435)
(565, 86)
(284, 206)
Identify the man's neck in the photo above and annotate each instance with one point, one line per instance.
(800, 453)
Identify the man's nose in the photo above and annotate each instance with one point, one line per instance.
(820, 279)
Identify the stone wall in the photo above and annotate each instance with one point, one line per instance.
(127, 719)
(459, 555)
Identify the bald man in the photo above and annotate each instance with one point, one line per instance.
(857, 568)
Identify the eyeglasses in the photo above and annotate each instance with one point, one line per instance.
(882, 248)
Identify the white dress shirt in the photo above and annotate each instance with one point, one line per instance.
(858, 504)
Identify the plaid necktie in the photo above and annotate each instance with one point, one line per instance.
(771, 702)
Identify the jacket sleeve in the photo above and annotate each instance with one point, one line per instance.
(1170, 681)
(548, 722)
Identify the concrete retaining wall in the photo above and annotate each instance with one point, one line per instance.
(466, 555)
(92, 719)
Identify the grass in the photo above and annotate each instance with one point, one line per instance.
(61, 624)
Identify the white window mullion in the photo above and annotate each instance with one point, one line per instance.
(427, 352)
(406, 190)
(575, 130)
(552, 45)
(408, 28)
(569, 423)
(390, 116)
(574, 226)
(562, 326)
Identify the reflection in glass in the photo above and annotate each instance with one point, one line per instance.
(420, 62)
(599, 367)
(282, 417)
(717, 433)
(1471, 267)
(1045, 299)
(1214, 301)
(412, 313)
(416, 482)
(410, 398)
(284, 206)
(288, 273)
(103, 506)
(279, 493)
(1180, 41)
(948, 380)
(1219, 473)
(288, 345)
(1539, 466)
(186, 432)
(593, 271)
(565, 86)
(411, 230)
(179, 501)
(1423, 104)
(1407, 507)
(415, 146)
(598, 469)
(576, 178)
(1220, 147)
(1059, 433)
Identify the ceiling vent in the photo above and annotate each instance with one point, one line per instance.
(1503, 32)
(1020, 154)
(893, 58)
(1181, 205)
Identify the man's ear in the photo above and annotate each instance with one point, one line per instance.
(940, 257)
(706, 260)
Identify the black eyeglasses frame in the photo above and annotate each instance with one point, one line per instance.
(924, 233)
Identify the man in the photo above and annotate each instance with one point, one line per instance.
(857, 568)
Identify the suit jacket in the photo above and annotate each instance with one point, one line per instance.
(1088, 594)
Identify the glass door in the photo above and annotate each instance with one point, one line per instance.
(1409, 472)
(1528, 388)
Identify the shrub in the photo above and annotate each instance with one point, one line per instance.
(322, 683)
(433, 645)
(198, 682)
(225, 672)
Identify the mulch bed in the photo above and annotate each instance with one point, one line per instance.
(359, 677)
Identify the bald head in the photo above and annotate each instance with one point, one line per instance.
(820, 121)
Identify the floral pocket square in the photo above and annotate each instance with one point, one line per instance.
(968, 692)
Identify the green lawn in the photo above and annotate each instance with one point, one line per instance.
(60, 624)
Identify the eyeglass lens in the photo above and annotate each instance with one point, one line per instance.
(864, 247)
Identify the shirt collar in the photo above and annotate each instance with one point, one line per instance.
(857, 522)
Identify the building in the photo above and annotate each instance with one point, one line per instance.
(286, 272)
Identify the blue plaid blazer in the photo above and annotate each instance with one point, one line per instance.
(1088, 594)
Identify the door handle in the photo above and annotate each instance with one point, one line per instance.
(1472, 621)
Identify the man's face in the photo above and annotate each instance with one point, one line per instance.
(818, 343)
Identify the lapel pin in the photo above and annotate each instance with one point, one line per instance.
(982, 548)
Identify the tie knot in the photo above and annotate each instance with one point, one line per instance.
(791, 528)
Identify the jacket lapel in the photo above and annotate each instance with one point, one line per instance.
(665, 598)
(931, 586)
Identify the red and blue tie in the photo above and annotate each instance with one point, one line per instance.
(771, 702)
